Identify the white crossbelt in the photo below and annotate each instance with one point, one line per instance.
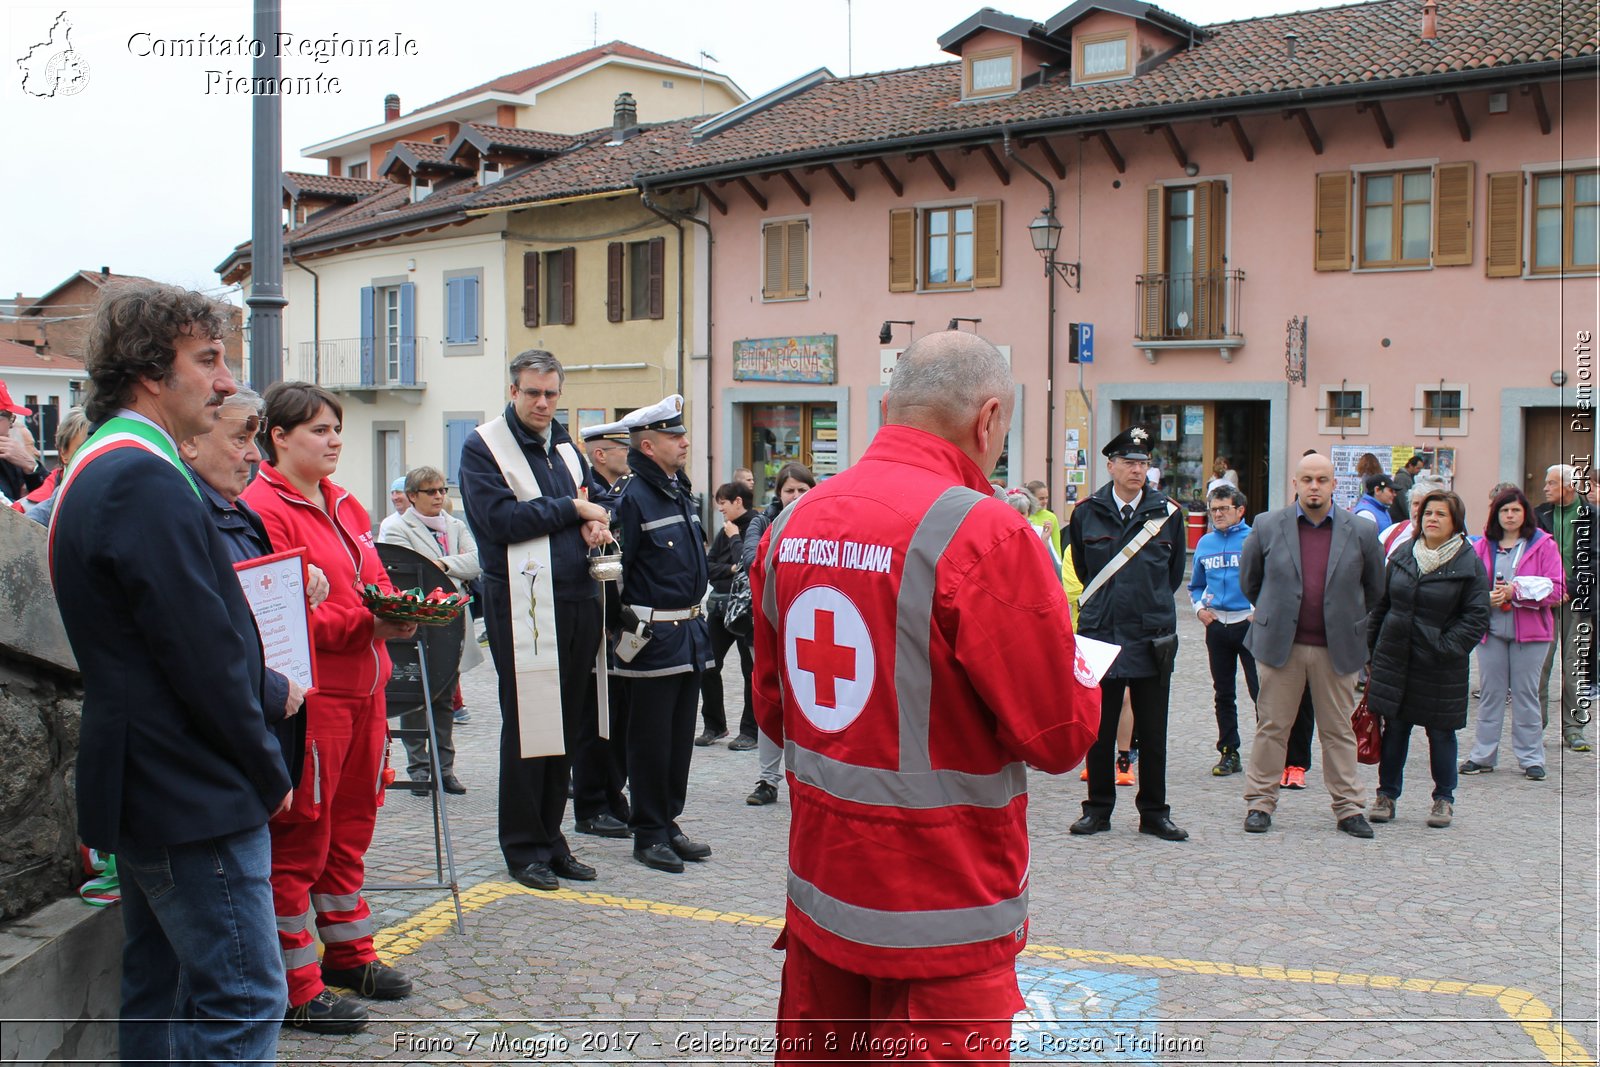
(665, 614)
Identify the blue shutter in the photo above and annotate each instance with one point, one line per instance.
(469, 310)
(455, 436)
(408, 334)
(452, 311)
(369, 297)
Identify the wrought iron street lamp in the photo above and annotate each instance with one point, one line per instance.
(1045, 232)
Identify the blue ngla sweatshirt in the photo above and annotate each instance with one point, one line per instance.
(1216, 570)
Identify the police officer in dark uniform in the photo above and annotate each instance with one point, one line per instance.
(1134, 609)
(601, 807)
(664, 645)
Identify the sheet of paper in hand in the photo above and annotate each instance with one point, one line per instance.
(1094, 658)
(275, 587)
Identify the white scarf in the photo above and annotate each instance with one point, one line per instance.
(1431, 559)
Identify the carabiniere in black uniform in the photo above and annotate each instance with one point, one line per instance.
(663, 581)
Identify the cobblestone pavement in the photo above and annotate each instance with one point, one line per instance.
(1472, 944)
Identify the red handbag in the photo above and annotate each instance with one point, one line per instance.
(1369, 733)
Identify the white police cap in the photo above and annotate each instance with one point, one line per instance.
(663, 417)
(611, 431)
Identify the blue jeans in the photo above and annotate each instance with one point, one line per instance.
(1441, 760)
(202, 979)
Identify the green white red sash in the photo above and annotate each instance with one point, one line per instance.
(117, 432)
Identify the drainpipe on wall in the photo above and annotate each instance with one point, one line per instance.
(316, 314)
(1050, 338)
(676, 218)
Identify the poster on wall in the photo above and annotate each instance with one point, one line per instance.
(1347, 484)
(787, 359)
(1169, 427)
(1194, 419)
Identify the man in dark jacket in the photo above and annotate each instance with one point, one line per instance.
(663, 580)
(177, 770)
(520, 479)
(1131, 607)
(601, 809)
(1570, 519)
(724, 560)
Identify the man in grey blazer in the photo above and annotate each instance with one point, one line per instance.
(1313, 572)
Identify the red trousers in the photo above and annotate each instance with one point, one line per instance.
(319, 845)
(828, 1013)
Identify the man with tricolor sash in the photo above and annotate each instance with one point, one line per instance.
(522, 481)
(177, 770)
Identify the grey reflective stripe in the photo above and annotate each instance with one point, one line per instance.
(909, 929)
(655, 524)
(304, 956)
(291, 924)
(769, 594)
(913, 672)
(898, 789)
(351, 931)
(326, 902)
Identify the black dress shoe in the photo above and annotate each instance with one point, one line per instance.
(708, 736)
(452, 784)
(1163, 828)
(689, 850)
(742, 743)
(1090, 824)
(1356, 826)
(376, 980)
(536, 875)
(1257, 822)
(602, 825)
(569, 866)
(659, 857)
(327, 1013)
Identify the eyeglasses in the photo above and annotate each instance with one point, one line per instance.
(1222, 509)
(534, 394)
(252, 423)
(437, 490)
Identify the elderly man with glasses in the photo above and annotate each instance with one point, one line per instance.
(1223, 609)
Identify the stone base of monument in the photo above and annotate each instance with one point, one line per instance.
(60, 982)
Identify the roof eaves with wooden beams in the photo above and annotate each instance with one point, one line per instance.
(420, 158)
(505, 144)
(1342, 57)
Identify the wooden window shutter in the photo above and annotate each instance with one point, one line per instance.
(1452, 214)
(1503, 249)
(902, 250)
(1210, 239)
(615, 252)
(1152, 308)
(530, 289)
(772, 260)
(795, 281)
(658, 274)
(569, 259)
(986, 244)
(1331, 245)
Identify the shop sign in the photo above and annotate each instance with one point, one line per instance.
(787, 359)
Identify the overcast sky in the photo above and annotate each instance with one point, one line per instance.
(146, 172)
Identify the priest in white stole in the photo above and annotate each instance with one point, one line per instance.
(523, 483)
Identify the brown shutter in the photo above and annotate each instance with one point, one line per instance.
(772, 241)
(1152, 308)
(1503, 249)
(795, 280)
(1331, 245)
(1452, 214)
(986, 244)
(569, 257)
(658, 272)
(1210, 234)
(530, 289)
(614, 271)
(902, 250)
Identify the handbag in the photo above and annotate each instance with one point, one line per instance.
(736, 615)
(1369, 733)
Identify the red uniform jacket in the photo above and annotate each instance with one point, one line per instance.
(349, 661)
(899, 607)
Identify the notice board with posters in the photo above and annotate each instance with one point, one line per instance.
(1441, 461)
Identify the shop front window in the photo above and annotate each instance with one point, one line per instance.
(778, 434)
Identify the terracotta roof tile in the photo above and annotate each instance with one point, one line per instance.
(526, 140)
(329, 185)
(24, 358)
(523, 80)
(595, 166)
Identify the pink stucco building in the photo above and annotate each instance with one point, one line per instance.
(1364, 228)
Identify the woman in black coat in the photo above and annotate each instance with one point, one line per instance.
(1434, 611)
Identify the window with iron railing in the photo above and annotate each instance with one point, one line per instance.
(1186, 292)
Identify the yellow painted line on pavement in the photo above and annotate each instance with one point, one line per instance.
(1554, 1041)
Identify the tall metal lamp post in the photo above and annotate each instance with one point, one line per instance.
(266, 300)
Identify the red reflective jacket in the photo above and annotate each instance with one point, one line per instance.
(349, 661)
(898, 607)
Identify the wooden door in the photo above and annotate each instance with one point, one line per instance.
(1551, 436)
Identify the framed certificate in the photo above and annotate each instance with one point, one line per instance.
(275, 587)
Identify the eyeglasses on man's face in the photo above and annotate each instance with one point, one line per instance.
(1222, 509)
(252, 423)
(535, 394)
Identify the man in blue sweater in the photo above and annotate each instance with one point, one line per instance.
(1379, 496)
(1221, 607)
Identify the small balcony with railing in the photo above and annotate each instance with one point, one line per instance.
(1189, 311)
(366, 367)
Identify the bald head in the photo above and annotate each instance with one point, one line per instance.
(1314, 481)
(956, 386)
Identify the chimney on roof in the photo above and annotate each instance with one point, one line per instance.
(1430, 20)
(1289, 40)
(105, 272)
(391, 107)
(625, 119)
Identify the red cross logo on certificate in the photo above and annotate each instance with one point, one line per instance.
(825, 661)
(265, 582)
(828, 658)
